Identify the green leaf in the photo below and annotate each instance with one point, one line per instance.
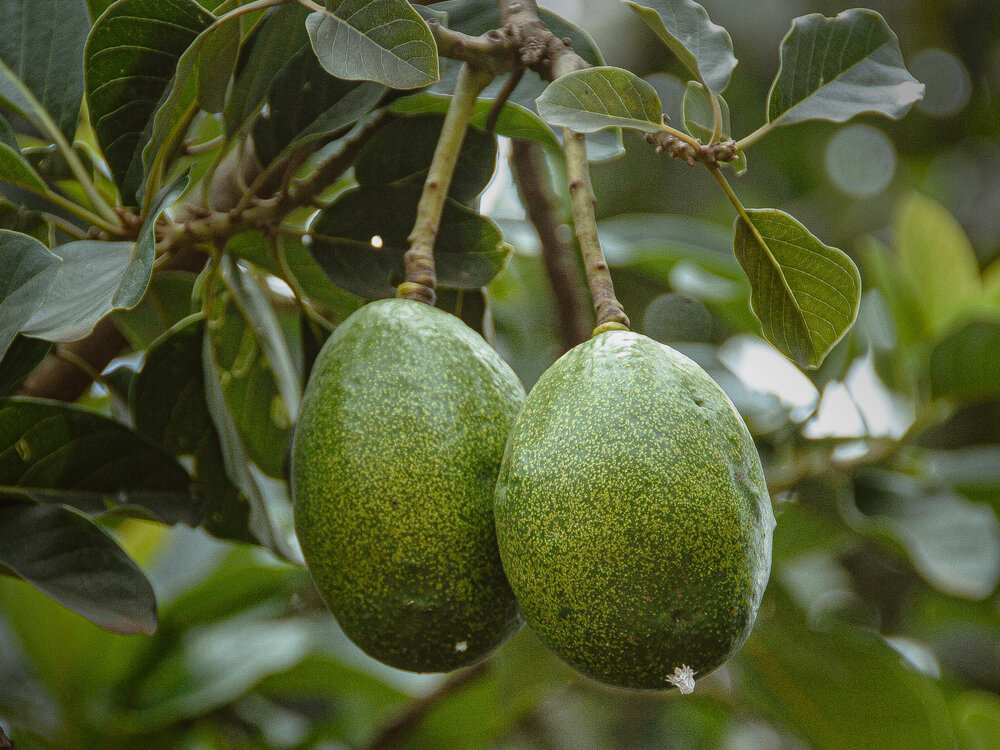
(168, 300)
(64, 454)
(306, 104)
(401, 153)
(167, 399)
(965, 366)
(374, 40)
(831, 687)
(470, 305)
(131, 57)
(696, 111)
(68, 558)
(216, 62)
(23, 355)
(29, 273)
(46, 54)
(598, 98)
(704, 48)
(468, 253)
(14, 167)
(836, 68)
(804, 293)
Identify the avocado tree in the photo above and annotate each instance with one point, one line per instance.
(203, 200)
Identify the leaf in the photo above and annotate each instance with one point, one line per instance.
(216, 62)
(374, 40)
(471, 306)
(401, 153)
(131, 56)
(167, 400)
(468, 253)
(804, 293)
(836, 68)
(696, 111)
(14, 167)
(46, 54)
(65, 454)
(965, 366)
(703, 47)
(29, 272)
(23, 355)
(305, 104)
(168, 300)
(70, 559)
(830, 687)
(598, 98)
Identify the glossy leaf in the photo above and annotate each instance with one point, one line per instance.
(217, 60)
(68, 455)
(374, 40)
(805, 294)
(46, 54)
(697, 115)
(703, 47)
(66, 556)
(469, 251)
(597, 98)
(29, 273)
(965, 366)
(836, 68)
(401, 153)
(131, 56)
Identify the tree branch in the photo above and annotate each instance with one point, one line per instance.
(542, 205)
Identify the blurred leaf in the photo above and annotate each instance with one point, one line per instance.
(835, 687)
(977, 720)
(676, 317)
(703, 47)
(59, 453)
(965, 366)
(973, 471)
(991, 282)
(698, 121)
(167, 301)
(306, 104)
(805, 294)
(46, 54)
(468, 253)
(597, 98)
(131, 56)
(167, 399)
(29, 273)
(374, 40)
(836, 68)
(25, 221)
(70, 559)
(23, 355)
(938, 261)
(401, 153)
(469, 305)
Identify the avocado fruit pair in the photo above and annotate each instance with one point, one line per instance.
(628, 519)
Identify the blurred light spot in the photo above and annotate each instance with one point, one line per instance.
(885, 413)
(947, 81)
(919, 656)
(376, 241)
(692, 279)
(860, 160)
(763, 369)
(279, 287)
(837, 416)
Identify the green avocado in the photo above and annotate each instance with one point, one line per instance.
(632, 516)
(394, 464)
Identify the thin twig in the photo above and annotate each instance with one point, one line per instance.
(498, 104)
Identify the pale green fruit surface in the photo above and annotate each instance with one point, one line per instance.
(632, 515)
(394, 464)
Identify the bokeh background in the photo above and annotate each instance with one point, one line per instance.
(881, 626)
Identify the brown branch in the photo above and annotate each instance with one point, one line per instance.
(6, 743)
(542, 205)
(400, 727)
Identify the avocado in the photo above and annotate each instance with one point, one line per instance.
(394, 463)
(632, 516)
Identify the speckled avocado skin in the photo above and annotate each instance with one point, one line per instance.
(394, 464)
(632, 515)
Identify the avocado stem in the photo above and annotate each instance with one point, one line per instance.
(608, 310)
(419, 259)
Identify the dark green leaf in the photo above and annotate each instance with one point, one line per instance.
(131, 58)
(698, 120)
(167, 400)
(703, 47)
(598, 98)
(64, 454)
(70, 559)
(29, 273)
(23, 355)
(14, 167)
(965, 366)
(805, 294)
(46, 54)
(471, 306)
(168, 300)
(836, 68)
(401, 153)
(374, 40)
(469, 251)
(216, 63)
(24, 221)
